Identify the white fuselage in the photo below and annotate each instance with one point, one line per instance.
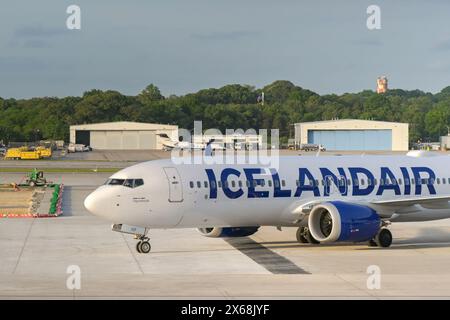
(221, 195)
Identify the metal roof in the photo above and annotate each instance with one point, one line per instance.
(123, 125)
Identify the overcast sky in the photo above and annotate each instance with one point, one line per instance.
(184, 46)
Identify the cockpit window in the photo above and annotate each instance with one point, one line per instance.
(129, 183)
(116, 182)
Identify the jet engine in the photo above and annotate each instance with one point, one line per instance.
(217, 232)
(336, 221)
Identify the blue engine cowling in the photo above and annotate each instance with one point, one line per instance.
(342, 221)
(217, 232)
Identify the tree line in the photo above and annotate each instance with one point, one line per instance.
(230, 107)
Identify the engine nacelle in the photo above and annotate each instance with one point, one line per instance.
(341, 221)
(227, 232)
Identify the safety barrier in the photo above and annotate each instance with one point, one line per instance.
(55, 202)
(55, 206)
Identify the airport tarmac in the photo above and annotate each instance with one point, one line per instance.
(124, 158)
(35, 255)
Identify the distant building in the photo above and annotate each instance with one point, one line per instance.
(445, 142)
(382, 84)
(353, 134)
(236, 140)
(122, 135)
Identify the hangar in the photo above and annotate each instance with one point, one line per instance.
(354, 134)
(122, 135)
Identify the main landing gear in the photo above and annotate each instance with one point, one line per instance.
(304, 236)
(382, 239)
(143, 245)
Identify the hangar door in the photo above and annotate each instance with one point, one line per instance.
(352, 139)
(122, 140)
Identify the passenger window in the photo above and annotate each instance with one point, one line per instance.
(349, 182)
(394, 182)
(247, 183)
(355, 182)
(277, 183)
(269, 183)
(283, 183)
(205, 183)
(443, 180)
(297, 182)
(362, 182)
(255, 183)
(263, 182)
(407, 182)
(219, 183)
(199, 184)
(381, 182)
(240, 183)
(233, 183)
(375, 181)
(400, 181)
(225, 184)
(438, 181)
(213, 184)
(413, 181)
(191, 184)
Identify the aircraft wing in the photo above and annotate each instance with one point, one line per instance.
(385, 208)
(437, 202)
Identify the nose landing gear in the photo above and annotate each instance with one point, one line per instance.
(143, 245)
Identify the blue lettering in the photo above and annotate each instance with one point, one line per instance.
(357, 191)
(212, 183)
(340, 182)
(393, 185)
(407, 180)
(302, 186)
(431, 176)
(277, 191)
(226, 186)
(252, 193)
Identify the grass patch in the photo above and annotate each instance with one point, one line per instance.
(63, 170)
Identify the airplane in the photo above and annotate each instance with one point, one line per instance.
(329, 199)
(170, 144)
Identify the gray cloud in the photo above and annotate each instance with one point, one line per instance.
(38, 31)
(443, 45)
(218, 36)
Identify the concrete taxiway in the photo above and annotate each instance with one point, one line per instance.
(35, 255)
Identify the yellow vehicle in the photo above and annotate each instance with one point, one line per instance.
(13, 153)
(24, 153)
(44, 152)
(30, 155)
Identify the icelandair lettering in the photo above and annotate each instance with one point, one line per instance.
(306, 182)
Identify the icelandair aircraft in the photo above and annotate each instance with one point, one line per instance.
(328, 198)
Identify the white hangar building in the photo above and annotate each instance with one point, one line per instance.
(122, 135)
(354, 134)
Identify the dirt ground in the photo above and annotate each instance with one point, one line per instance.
(18, 202)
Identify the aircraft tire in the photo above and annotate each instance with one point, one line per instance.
(300, 235)
(138, 246)
(384, 238)
(145, 247)
(310, 238)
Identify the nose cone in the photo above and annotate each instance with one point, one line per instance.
(91, 204)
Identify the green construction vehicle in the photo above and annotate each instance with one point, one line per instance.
(36, 178)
